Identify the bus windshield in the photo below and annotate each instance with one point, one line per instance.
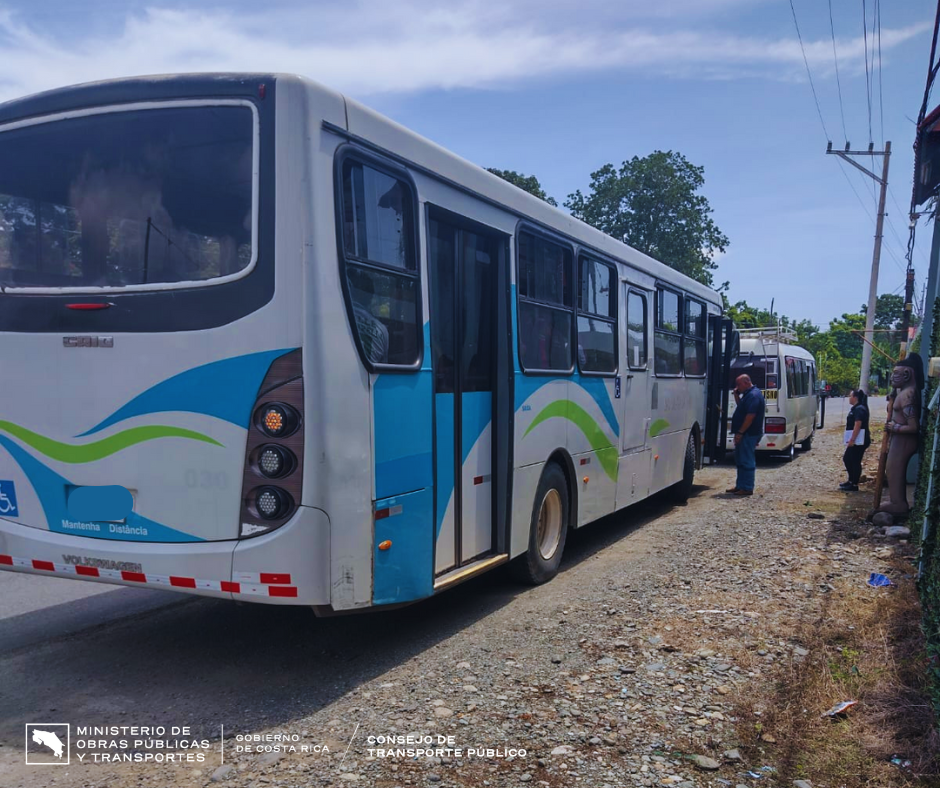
(762, 370)
(127, 198)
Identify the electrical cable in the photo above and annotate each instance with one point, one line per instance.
(867, 80)
(808, 72)
(881, 109)
(835, 57)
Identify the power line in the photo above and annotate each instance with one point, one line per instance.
(881, 109)
(907, 215)
(890, 250)
(808, 72)
(867, 80)
(835, 57)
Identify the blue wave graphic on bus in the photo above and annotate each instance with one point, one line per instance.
(526, 386)
(224, 389)
(51, 489)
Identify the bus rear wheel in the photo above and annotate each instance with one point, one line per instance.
(682, 490)
(791, 452)
(548, 529)
(808, 443)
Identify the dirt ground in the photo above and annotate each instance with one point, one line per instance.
(687, 645)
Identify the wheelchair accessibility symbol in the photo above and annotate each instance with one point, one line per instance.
(8, 505)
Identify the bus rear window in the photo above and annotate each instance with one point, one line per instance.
(135, 198)
(761, 370)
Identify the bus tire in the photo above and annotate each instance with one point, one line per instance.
(791, 452)
(548, 529)
(808, 443)
(681, 491)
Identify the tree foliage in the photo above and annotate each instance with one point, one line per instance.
(838, 348)
(528, 183)
(889, 311)
(654, 205)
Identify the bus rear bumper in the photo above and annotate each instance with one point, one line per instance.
(289, 566)
(772, 443)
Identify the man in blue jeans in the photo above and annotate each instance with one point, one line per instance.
(747, 424)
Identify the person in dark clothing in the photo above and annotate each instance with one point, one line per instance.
(855, 423)
(747, 424)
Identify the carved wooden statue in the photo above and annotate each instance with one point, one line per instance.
(903, 426)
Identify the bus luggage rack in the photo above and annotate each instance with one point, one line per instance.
(777, 333)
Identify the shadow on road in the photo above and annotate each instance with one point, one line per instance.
(206, 662)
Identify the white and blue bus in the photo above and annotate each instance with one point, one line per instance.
(259, 342)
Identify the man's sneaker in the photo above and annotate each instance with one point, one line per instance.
(848, 487)
(744, 492)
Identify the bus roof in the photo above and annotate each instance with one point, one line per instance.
(371, 126)
(383, 132)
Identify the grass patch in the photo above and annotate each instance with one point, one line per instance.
(866, 645)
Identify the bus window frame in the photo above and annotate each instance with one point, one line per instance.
(701, 338)
(613, 321)
(660, 286)
(146, 106)
(646, 328)
(367, 158)
(536, 231)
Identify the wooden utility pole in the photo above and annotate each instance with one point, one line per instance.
(876, 254)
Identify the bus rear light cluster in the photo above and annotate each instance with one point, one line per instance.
(271, 489)
(774, 425)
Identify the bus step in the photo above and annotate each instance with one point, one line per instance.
(461, 573)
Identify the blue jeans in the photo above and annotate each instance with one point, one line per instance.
(746, 461)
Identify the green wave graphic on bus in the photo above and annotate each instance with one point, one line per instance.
(658, 427)
(566, 409)
(89, 452)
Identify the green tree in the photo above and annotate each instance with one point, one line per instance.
(889, 311)
(846, 337)
(652, 204)
(528, 183)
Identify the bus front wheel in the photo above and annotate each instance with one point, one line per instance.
(548, 529)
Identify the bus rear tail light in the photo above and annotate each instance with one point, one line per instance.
(273, 461)
(271, 503)
(774, 425)
(277, 419)
(275, 449)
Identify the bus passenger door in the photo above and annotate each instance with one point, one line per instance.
(462, 264)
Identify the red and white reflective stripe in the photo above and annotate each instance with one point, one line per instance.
(271, 584)
(262, 578)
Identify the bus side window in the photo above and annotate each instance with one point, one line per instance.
(694, 360)
(637, 322)
(546, 311)
(667, 338)
(597, 317)
(380, 264)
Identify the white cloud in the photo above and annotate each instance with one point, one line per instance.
(371, 47)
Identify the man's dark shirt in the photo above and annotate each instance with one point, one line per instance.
(752, 401)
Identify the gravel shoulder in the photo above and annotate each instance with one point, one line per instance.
(626, 669)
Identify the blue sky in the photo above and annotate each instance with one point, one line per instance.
(557, 89)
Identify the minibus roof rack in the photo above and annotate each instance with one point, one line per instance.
(773, 333)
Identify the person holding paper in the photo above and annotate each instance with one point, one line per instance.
(857, 438)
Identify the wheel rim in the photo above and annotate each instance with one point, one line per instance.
(549, 527)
